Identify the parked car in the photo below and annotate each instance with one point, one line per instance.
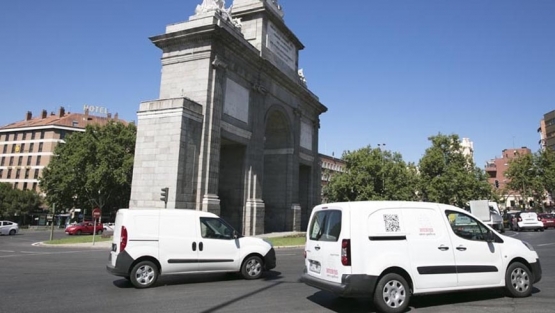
(8, 228)
(84, 228)
(527, 221)
(547, 219)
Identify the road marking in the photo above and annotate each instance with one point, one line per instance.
(46, 253)
(30, 252)
(286, 254)
(8, 251)
(546, 244)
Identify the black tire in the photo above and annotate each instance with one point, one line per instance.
(518, 280)
(541, 229)
(144, 274)
(78, 232)
(392, 294)
(12, 232)
(252, 267)
(99, 232)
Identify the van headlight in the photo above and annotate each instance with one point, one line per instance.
(529, 246)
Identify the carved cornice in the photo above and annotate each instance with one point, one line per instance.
(260, 89)
(218, 63)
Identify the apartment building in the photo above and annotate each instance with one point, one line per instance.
(496, 168)
(547, 131)
(27, 146)
(330, 166)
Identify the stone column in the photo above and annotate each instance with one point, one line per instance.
(209, 160)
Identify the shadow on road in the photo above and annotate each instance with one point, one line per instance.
(360, 305)
(185, 279)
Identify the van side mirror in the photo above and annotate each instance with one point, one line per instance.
(235, 234)
(490, 237)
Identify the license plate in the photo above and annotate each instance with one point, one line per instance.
(314, 267)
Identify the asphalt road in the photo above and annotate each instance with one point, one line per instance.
(46, 279)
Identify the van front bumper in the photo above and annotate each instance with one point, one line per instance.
(536, 270)
(270, 259)
(350, 286)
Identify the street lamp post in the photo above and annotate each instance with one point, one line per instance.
(380, 145)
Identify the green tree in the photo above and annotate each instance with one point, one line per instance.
(448, 176)
(15, 202)
(92, 169)
(532, 175)
(372, 174)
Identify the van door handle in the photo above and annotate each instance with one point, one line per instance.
(443, 248)
(200, 246)
(461, 248)
(194, 246)
(317, 248)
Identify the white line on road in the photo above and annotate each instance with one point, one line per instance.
(45, 253)
(546, 244)
(8, 251)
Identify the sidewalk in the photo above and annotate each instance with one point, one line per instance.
(108, 244)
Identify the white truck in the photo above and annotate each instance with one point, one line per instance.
(488, 212)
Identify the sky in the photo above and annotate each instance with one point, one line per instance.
(389, 72)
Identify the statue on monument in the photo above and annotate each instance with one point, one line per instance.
(300, 72)
(218, 6)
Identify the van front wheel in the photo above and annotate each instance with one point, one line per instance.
(144, 274)
(392, 294)
(252, 267)
(518, 280)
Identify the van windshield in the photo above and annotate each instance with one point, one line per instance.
(326, 226)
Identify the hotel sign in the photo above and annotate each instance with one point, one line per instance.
(95, 109)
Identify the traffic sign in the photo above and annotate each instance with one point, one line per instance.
(96, 212)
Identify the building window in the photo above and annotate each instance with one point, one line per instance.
(62, 134)
(29, 160)
(25, 186)
(2, 162)
(1, 172)
(5, 149)
(16, 185)
(13, 148)
(9, 173)
(31, 146)
(15, 136)
(17, 172)
(22, 148)
(34, 186)
(38, 160)
(36, 173)
(75, 123)
(24, 136)
(42, 134)
(27, 173)
(11, 161)
(32, 135)
(20, 161)
(40, 147)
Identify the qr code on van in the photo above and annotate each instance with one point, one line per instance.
(391, 222)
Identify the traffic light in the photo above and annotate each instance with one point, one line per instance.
(496, 183)
(164, 195)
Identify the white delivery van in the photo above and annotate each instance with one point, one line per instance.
(390, 250)
(148, 243)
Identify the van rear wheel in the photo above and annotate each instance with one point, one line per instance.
(144, 274)
(252, 267)
(518, 280)
(392, 294)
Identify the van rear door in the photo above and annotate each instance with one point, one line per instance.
(328, 229)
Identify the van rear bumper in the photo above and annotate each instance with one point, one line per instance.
(123, 264)
(350, 286)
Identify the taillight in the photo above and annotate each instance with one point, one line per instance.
(304, 252)
(539, 219)
(123, 239)
(520, 219)
(346, 252)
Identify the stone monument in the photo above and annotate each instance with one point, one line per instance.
(235, 128)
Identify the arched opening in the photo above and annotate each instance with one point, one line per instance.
(277, 171)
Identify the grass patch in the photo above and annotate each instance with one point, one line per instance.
(78, 239)
(297, 240)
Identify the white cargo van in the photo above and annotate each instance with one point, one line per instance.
(390, 250)
(148, 243)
